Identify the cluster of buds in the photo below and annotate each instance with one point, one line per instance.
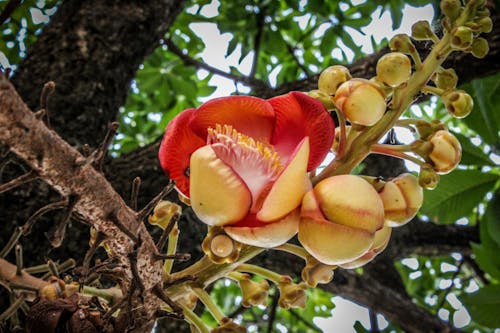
(337, 230)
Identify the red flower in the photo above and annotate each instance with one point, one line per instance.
(243, 162)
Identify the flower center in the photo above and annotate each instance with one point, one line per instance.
(257, 163)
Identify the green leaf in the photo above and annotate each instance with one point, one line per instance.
(457, 194)
(472, 155)
(485, 118)
(483, 305)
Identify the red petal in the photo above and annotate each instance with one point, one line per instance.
(298, 116)
(249, 115)
(178, 143)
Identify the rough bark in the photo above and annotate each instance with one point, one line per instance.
(96, 202)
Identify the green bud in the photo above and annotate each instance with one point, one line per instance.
(480, 48)
(483, 12)
(458, 103)
(332, 77)
(446, 79)
(393, 69)
(451, 8)
(323, 97)
(421, 30)
(428, 178)
(462, 38)
(485, 24)
(402, 43)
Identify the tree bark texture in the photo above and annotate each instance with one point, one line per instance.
(91, 49)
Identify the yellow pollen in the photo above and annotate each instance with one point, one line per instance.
(246, 145)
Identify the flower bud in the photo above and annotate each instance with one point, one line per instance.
(485, 24)
(451, 8)
(219, 247)
(163, 212)
(339, 218)
(402, 43)
(324, 98)
(446, 79)
(427, 129)
(402, 198)
(361, 101)
(54, 290)
(393, 69)
(458, 103)
(428, 178)
(292, 295)
(480, 48)
(446, 152)
(332, 77)
(316, 272)
(253, 293)
(462, 38)
(421, 30)
(380, 242)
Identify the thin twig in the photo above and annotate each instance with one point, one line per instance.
(158, 291)
(307, 323)
(166, 232)
(27, 177)
(12, 242)
(180, 280)
(373, 321)
(9, 8)
(259, 22)
(198, 64)
(48, 89)
(132, 256)
(272, 312)
(12, 308)
(114, 219)
(136, 184)
(99, 238)
(152, 204)
(26, 228)
(57, 236)
(103, 149)
(19, 259)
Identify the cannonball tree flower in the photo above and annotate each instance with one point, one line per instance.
(243, 162)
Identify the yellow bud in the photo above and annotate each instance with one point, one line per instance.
(253, 293)
(219, 247)
(480, 48)
(458, 103)
(163, 212)
(361, 101)
(402, 43)
(421, 30)
(428, 178)
(324, 98)
(446, 152)
(393, 69)
(462, 38)
(451, 8)
(402, 198)
(292, 295)
(446, 79)
(339, 218)
(332, 77)
(316, 272)
(485, 24)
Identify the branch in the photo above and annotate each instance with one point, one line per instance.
(248, 80)
(59, 165)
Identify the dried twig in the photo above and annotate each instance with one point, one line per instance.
(103, 149)
(57, 236)
(158, 291)
(136, 184)
(26, 228)
(152, 204)
(166, 232)
(28, 177)
(48, 89)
